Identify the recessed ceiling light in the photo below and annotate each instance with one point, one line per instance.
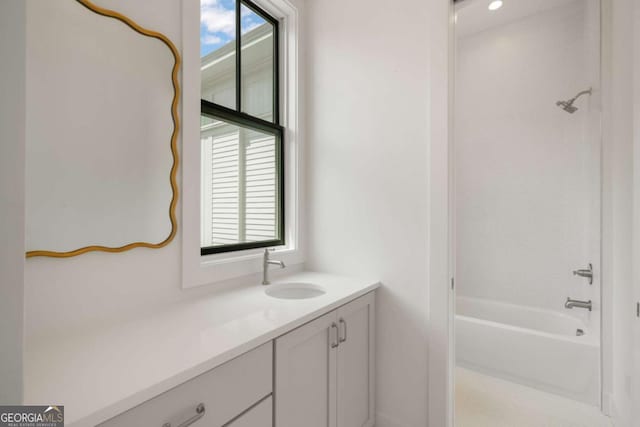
(495, 5)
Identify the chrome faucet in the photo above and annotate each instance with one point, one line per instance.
(265, 266)
(577, 303)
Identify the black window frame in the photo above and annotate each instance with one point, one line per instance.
(238, 117)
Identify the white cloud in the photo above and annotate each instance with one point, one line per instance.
(244, 10)
(249, 26)
(211, 39)
(217, 19)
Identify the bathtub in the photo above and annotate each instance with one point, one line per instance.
(535, 347)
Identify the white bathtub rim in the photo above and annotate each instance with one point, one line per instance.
(587, 338)
(585, 326)
(521, 306)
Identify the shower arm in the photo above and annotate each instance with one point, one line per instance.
(584, 92)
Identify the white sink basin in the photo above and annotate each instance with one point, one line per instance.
(294, 290)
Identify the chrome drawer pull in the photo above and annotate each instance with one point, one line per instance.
(343, 338)
(335, 343)
(199, 414)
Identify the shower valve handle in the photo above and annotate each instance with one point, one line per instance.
(588, 273)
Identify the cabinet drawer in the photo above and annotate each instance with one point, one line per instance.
(226, 391)
(260, 415)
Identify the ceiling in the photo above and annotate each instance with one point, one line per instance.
(473, 16)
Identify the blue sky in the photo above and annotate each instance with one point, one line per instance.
(217, 23)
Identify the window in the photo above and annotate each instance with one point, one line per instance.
(211, 193)
(242, 159)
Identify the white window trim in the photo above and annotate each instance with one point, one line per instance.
(200, 270)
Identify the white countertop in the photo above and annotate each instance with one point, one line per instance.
(100, 373)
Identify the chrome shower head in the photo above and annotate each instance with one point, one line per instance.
(568, 105)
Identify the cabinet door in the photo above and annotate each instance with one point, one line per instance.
(305, 385)
(355, 357)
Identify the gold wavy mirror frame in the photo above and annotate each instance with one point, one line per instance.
(174, 149)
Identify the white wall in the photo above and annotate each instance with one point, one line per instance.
(368, 95)
(12, 153)
(524, 170)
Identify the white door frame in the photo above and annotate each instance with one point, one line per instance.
(440, 318)
(636, 209)
(441, 340)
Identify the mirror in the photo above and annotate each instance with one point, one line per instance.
(102, 125)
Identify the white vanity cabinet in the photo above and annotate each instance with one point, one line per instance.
(183, 365)
(234, 394)
(324, 370)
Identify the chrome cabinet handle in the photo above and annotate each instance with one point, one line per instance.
(200, 409)
(335, 343)
(343, 338)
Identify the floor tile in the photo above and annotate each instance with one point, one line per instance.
(484, 401)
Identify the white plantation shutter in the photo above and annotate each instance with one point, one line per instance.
(261, 190)
(239, 186)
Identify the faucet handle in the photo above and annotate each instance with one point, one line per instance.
(586, 272)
